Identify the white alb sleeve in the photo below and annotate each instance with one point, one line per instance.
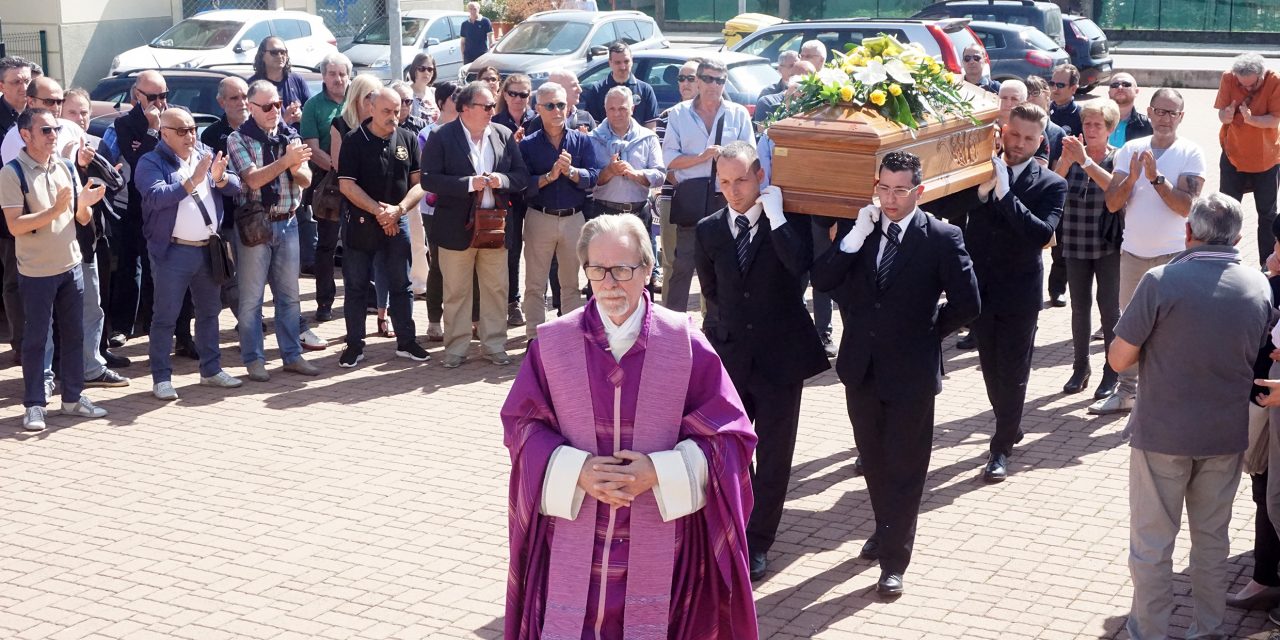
(682, 480)
(561, 495)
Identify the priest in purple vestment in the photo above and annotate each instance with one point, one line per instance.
(630, 453)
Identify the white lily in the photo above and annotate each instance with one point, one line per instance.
(829, 75)
(872, 74)
(899, 71)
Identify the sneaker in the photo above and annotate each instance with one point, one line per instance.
(108, 378)
(221, 379)
(829, 345)
(515, 318)
(323, 314)
(351, 356)
(312, 342)
(1115, 403)
(500, 358)
(33, 421)
(164, 391)
(414, 352)
(1273, 615)
(435, 333)
(48, 390)
(83, 408)
(303, 367)
(117, 339)
(257, 371)
(453, 362)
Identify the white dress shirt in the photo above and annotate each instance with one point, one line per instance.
(483, 159)
(903, 225)
(189, 224)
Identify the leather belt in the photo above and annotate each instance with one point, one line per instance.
(625, 207)
(559, 213)
(189, 243)
(277, 217)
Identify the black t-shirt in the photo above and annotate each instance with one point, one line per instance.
(382, 167)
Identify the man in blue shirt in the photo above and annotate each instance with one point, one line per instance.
(642, 95)
(562, 167)
(477, 34)
(630, 162)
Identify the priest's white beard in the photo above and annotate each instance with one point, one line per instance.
(613, 303)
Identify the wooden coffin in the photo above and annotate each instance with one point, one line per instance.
(825, 161)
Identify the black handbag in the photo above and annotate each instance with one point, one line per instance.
(326, 198)
(222, 263)
(697, 198)
(1111, 225)
(252, 224)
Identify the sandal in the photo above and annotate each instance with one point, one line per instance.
(384, 328)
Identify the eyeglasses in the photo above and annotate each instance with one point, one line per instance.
(278, 52)
(973, 58)
(1164, 113)
(554, 106)
(406, 101)
(686, 78)
(268, 107)
(1060, 85)
(152, 97)
(487, 107)
(620, 273)
(1121, 83)
(51, 130)
(898, 192)
(710, 79)
(51, 102)
(426, 68)
(519, 95)
(182, 131)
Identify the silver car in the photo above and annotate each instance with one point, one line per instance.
(565, 40)
(436, 32)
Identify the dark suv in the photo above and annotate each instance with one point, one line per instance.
(943, 39)
(1045, 16)
(1089, 50)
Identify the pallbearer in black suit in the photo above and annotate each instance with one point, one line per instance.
(751, 261)
(887, 274)
(1011, 219)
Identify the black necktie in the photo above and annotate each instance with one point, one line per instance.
(890, 254)
(743, 240)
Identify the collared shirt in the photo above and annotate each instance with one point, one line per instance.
(475, 37)
(52, 249)
(317, 117)
(688, 135)
(903, 225)
(384, 168)
(640, 148)
(1248, 148)
(70, 136)
(578, 120)
(215, 136)
(483, 159)
(643, 98)
(246, 153)
(623, 337)
(540, 156)
(753, 221)
(1067, 116)
(189, 223)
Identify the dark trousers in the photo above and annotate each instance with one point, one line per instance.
(1264, 185)
(131, 284)
(515, 242)
(775, 409)
(821, 301)
(11, 296)
(1081, 274)
(44, 300)
(326, 247)
(435, 281)
(1057, 269)
(102, 256)
(894, 437)
(1005, 342)
(394, 255)
(1266, 545)
(184, 273)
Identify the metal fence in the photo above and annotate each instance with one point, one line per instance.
(346, 18)
(32, 45)
(1191, 15)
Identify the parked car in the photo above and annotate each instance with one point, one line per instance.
(743, 24)
(436, 32)
(943, 39)
(748, 74)
(230, 36)
(568, 40)
(1045, 16)
(1018, 51)
(1089, 50)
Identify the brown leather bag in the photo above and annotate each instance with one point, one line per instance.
(488, 226)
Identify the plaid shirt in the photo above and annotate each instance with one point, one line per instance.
(1082, 214)
(245, 152)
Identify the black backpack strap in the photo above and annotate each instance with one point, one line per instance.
(22, 182)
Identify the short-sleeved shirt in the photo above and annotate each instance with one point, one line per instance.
(317, 117)
(245, 152)
(1199, 322)
(1151, 228)
(475, 38)
(53, 249)
(687, 135)
(383, 167)
(1250, 149)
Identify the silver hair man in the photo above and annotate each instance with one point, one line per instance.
(617, 227)
(1248, 64)
(1216, 219)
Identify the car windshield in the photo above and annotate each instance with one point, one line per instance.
(377, 32)
(1090, 29)
(751, 77)
(544, 38)
(1039, 40)
(198, 34)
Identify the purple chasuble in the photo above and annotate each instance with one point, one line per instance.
(576, 579)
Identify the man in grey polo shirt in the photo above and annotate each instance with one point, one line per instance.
(1194, 327)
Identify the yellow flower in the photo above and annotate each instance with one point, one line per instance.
(922, 87)
(951, 77)
(895, 89)
(846, 93)
(877, 98)
(878, 59)
(848, 66)
(934, 68)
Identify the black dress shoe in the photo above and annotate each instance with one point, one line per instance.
(870, 549)
(829, 345)
(997, 468)
(857, 466)
(759, 565)
(1079, 380)
(1106, 388)
(1057, 301)
(324, 314)
(114, 361)
(116, 340)
(967, 342)
(890, 584)
(186, 348)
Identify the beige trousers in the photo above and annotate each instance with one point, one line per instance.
(456, 268)
(546, 236)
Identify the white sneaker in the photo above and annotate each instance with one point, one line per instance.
(221, 379)
(83, 408)
(164, 391)
(312, 342)
(33, 421)
(48, 389)
(1114, 403)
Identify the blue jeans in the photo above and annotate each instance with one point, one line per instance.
(43, 298)
(392, 257)
(274, 263)
(94, 363)
(179, 269)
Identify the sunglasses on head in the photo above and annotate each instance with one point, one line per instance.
(268, 107)
(1060, 85)
(183, 131)
(278, 52)
(712, 79)
(522, 95)
(152, 97)
(973, 58)
(1121, 83)
(554, 106)
(686, 78)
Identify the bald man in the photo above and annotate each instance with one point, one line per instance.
(814, 52)
(574, 118)
(45, 93)
(1133, 123)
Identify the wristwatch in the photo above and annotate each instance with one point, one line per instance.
(154, 133)
(1158, 181)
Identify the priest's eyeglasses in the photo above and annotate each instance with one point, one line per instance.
(620, 273)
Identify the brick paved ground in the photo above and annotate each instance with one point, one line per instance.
(371, 503)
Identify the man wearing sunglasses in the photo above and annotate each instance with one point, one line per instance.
(687, 82)
(644, 100)
(974, 65)
(1248, 104)
(1064, 111)
(1133, 123)
(15, 75)
(45, 93)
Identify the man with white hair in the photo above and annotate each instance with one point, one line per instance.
(814, 52)
(1248, 105)
(316, 128)
(768, 103)
(786, 70)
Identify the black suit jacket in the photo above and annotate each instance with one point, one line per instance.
(1006, 237)
(757, 321)
(897, 332)
(447, 171)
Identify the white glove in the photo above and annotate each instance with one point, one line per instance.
(771, 201)
(868, 218)
(1002, 176)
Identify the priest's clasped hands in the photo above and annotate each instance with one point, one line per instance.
(618, 479)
